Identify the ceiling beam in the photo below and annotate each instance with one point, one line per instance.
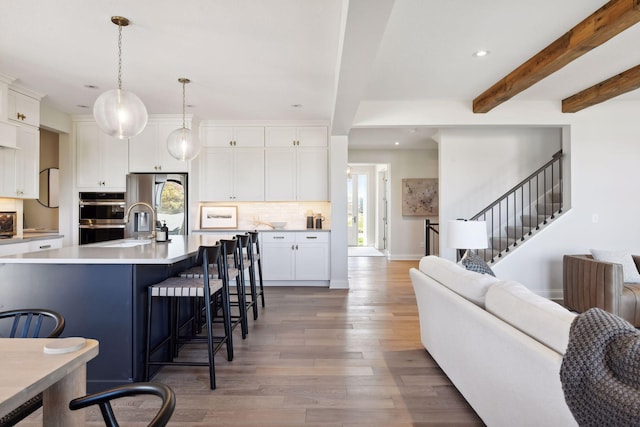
(608, 21)
(617, 85)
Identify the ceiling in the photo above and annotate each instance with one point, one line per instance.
(255, 59)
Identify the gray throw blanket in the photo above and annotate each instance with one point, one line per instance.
(600, 370)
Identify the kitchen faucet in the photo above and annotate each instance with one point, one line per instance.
(153, 216)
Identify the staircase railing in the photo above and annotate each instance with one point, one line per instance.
(431, 238)
(534, 200)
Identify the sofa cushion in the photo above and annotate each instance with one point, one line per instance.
(474, 262)
(468, 284)
(629, 269)
(536, 316)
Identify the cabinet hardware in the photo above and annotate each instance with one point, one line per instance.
(45, 246)
(296, 247)
(21, 116)
(311, 237)
(278, 237)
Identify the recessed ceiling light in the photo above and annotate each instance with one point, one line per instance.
(396, 143)
(82, 106)
(481, 53)
(296, 105)
(91, 86)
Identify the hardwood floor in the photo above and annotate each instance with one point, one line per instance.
(318, 357)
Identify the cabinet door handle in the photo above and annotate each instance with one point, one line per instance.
(20, 116)
(296, 247)
(45, 246)
(311, 237)
(278, 237)
(231, 143)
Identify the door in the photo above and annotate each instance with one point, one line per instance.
(357, 209)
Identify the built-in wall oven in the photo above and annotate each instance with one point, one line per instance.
(101, 217)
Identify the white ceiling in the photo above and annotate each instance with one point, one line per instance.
(254, 59)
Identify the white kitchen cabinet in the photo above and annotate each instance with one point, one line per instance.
(296, 164)
(22, 246)
(295, 255)
(232, 136)
(148, 151)
(7, 172)
(101, 160)
(27, 163)
(288, 136)
(232, 174)
(23, 109)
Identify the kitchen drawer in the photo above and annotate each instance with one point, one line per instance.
(278, 237)
(43, 245)
(311, 237)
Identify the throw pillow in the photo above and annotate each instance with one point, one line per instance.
(473, 262)
(629, 270)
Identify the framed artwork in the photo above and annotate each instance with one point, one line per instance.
(218, 217)
(420, 197)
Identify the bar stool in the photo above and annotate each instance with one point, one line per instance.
(244, 252)
(255, 252)
(175, 288)
(230, 251)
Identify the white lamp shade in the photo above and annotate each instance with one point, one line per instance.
(120, 113)
(183, 144)
(467, 234)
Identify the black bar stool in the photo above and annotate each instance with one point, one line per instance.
(245, 252)
(255, 252)
(230, 253)
(175, 288)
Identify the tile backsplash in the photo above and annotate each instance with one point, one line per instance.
(258, 215)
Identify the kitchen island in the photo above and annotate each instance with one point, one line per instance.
(101, 291)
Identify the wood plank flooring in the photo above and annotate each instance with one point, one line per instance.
(318, 357)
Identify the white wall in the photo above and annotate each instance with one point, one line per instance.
(479, 165)
(406, 234)
(604, 153)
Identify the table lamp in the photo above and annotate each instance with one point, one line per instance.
(464, 235)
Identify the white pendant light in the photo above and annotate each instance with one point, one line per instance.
(182, 143)
(117, 112)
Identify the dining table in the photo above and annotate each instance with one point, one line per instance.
(55, 367)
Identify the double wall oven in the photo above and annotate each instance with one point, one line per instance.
(101, 217)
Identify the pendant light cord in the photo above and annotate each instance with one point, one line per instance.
(184, 83)
(119, 57)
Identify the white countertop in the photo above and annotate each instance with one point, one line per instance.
(118, 252)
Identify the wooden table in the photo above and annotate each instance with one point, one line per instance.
(26, 370)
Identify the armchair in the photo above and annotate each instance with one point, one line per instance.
(589, 283)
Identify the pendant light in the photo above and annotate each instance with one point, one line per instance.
(182, 143)
(117, 112)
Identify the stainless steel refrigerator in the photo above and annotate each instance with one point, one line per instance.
(166, 193)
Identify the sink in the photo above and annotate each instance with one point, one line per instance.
(126, 243)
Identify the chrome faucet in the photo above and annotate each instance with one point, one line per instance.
(153, 216)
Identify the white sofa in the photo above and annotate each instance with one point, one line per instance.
(499, 343)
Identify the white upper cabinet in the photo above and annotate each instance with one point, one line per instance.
(232, 174)
(27, 158)
(287, 136)
(296, 164)
(230, 136)
(101, 160)
(148, 151)
(23, 109)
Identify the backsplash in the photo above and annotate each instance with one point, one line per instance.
(258, 215)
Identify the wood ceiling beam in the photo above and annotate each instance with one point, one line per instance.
(617, 85)
(608, 21)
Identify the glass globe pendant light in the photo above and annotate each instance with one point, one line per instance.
(182, 143)
(118, 112)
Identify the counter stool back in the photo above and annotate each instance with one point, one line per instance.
(29, 323)
(255, 251)
(206, 288)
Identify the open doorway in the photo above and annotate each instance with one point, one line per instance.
(367, 223)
